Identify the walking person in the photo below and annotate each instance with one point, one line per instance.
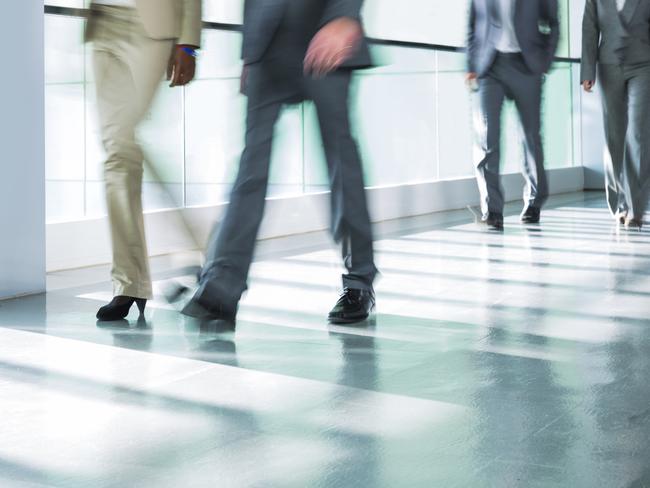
(511, 45)
(295, 50)
(616, 44)
(134, 42)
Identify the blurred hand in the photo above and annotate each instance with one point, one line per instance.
(471, 79)
(588, 85)
(181, 67)
(334, 44)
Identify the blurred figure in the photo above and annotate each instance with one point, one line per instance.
(295, 50)
(616, 38)
(511, 44)
(134, 42)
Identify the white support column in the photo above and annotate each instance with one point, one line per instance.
(22, 155)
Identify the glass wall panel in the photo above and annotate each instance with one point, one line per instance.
(214, 138)
(565, 23)
(223, 11)
(214, 115)
(512, 153)
(67, 3)
(161, 136)
(64, 158)
(558, 117)
(395, 120)
(576, 10)
(64, 49)
(430, 21)
(455, 129)
(64, 117)
(412, 114)
(287, 175)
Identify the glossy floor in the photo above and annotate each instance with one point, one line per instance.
(519, 359)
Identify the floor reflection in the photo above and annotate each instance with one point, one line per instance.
(507, 360)
(362, 464)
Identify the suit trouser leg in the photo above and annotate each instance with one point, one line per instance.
(526, 91)
(487, 124)
(349, 210)
(615, 115)
(128, 69)
(231, 250)
(637, 146)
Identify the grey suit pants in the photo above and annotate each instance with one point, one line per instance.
(232, 246)
(626, 108)
(509, 77)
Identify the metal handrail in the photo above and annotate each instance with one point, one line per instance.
(83, 13)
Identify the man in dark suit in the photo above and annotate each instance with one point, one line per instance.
(511, 44)
(295, 50)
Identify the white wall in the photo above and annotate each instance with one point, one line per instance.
(22, 168)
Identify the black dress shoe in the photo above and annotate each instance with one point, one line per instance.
(353, 306)
(200, 308)
(531, 215)
(119, 308)
(493, 220)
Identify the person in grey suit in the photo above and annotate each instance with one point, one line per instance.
(616, 40)
(295, 50)
(510, 45)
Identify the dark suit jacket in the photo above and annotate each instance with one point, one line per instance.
(613, 37)
(537, 27)
(265, 20)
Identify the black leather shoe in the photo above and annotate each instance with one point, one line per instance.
(119, 308)
(493, 220)
(531, 215)
(200, 308)
(353, 306)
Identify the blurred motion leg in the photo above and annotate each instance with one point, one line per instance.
(614, 95)
(637, 147)
(488, 131)
(350, 218)
(232, 246)
(526, 90)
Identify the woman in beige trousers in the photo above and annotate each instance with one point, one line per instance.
(134, 42)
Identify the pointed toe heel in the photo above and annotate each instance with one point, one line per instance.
(141, 303)
(119, 308)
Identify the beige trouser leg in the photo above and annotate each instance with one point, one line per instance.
(129, 67)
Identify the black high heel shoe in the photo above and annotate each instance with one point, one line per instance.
(119, 308)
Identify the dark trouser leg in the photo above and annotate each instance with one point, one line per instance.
(350, 219)
(488, 131)
(231, 249)
(637, 147)
(614, 96)
(526, 90)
